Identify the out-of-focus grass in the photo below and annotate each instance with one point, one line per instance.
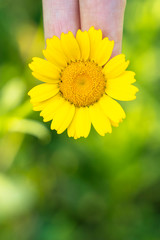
(53, 187)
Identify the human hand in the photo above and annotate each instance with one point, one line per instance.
(71, 15)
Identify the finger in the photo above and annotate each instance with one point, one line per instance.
(106, 15)
(60, 16)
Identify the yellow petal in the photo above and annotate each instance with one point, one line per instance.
(61, 115)
(44, 79)
(83, 122)
(116, 66)
(54, 52)
(103, 51)
(95, 36)
(112, 109)
(39, 106)
(114, 124)
(71, 130)
(43, 92)
(120, 88)
(44, 68)
(84, 44)
(99, 120)
(52, 106)
(67, 120)
(70, 46)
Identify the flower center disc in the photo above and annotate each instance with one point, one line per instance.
(82, 83)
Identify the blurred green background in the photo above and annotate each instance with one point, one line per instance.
(55, 188)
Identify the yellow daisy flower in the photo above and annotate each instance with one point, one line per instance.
(81, 83)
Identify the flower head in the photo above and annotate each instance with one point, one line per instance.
(81, 83)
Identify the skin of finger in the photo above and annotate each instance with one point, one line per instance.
(107, 15)
(60, 16)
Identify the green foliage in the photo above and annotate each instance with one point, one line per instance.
(53, 187)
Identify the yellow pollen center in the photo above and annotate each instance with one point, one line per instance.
(82, 83)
